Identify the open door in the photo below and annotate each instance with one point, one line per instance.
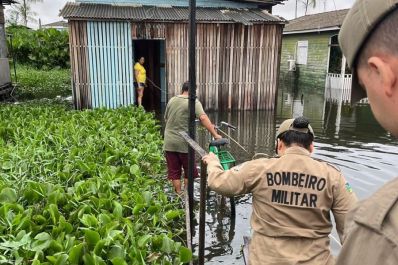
(155, 94)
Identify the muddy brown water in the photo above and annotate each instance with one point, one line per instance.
(354, 141)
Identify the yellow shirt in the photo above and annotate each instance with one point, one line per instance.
(141, 77)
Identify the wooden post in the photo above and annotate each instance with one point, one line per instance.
(202, 213)
(338, 118)
(188, 223)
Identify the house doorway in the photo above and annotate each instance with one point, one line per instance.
(155, 94)
(336, 57)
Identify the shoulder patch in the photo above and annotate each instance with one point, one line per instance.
(348, 187)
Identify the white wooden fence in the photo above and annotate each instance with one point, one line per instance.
(337, 87)
(334, 88)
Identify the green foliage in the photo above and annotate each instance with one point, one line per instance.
(21, 45)
(70, 184)
(44, 48)
(36, 84)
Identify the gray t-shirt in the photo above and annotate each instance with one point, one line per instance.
(176, 116)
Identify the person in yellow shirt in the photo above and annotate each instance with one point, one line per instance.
(140, 79)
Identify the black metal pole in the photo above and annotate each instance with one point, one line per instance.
(202, 213)
(192, 99)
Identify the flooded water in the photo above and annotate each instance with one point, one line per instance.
(366, 154)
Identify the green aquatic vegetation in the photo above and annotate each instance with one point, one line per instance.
(32, 83)
(85, 188)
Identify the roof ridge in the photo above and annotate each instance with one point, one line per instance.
(322, 13)
(246, 16)
(113, 4)
(320, 21)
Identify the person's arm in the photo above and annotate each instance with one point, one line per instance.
(344, 200)
(238, 180)
(209, 126)
(204, 119)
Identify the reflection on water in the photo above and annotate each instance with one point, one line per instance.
(366, 154)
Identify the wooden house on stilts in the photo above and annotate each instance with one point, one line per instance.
(238, 51)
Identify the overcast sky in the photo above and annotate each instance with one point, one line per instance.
(48, 10)
(288, 9)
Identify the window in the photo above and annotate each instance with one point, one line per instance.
(302, 52)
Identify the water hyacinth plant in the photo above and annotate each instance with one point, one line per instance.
(37, 84)
(85, 188)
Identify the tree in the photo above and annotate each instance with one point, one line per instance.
(23, 11)
(308, 3)
(12, 19)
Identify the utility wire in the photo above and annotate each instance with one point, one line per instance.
(233, 140)
(153, 84)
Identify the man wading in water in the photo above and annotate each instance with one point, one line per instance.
(369, 40)
(175, 147)
(292, 199)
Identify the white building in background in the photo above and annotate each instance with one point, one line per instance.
(58, 25)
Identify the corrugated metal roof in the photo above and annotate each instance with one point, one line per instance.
(317, 21)
(166, 14)
(57, 24)
(199, 3)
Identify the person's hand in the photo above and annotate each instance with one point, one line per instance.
(210, 157)
(218, 137)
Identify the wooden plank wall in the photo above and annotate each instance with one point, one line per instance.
(237, 65)
(148, 31)
(79, 64)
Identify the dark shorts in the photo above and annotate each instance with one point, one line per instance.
(175, 162)
(139, 85)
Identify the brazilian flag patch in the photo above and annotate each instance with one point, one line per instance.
(348, 187)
